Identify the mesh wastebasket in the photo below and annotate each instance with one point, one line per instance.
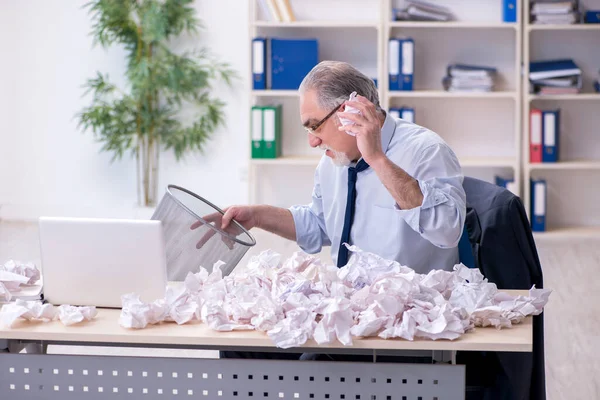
(193, 234)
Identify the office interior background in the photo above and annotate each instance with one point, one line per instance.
(488, 115)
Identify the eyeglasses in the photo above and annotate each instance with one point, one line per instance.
(314, 128)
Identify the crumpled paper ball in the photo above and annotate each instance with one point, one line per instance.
(28, 270)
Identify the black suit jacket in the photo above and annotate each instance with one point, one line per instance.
(505, 253)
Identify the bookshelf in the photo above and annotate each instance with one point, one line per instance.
(347, 30)
(572, 208)
(487, 146)
(488, 131)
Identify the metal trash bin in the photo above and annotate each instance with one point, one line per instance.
(187, 249)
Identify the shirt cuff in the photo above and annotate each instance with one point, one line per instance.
(431, 198)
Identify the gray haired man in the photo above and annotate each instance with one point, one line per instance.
(386, 185)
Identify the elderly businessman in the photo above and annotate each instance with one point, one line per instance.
(386, 185)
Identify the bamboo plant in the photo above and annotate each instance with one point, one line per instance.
(145, 116)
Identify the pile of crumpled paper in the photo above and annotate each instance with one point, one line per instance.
(13, 274)
(301, 299)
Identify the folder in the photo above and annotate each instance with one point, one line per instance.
(394, 64)
(509, 10)
(259, 63)
(401, 63)
(271, 143)
(257, 132)
(395, 113)
(407, 64)
(291, 61)
(538, 205)
(407, 114)
(550, 126)
(535, 136)
(552, 69)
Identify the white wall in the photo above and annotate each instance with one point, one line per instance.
(48, 166)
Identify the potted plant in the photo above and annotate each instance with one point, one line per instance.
(145, 116)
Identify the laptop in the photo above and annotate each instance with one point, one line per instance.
(93, 262)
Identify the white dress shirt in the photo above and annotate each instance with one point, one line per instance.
(422, 238)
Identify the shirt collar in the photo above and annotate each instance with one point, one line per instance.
(387, 131)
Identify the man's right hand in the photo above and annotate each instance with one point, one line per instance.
(244, 215)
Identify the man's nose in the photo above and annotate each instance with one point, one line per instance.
(313, 141)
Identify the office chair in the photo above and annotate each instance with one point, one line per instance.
(498, 240)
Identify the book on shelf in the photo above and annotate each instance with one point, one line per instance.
(416, 10)
(469, 78)
(277, 10)
(555, 12)
(560, 76)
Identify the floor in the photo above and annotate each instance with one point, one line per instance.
(572, 317)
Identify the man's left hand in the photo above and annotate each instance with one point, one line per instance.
(366, 127)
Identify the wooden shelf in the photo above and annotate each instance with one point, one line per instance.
(318, 24)
(275, 93)
(571, 27)
(444, 94)
(565, 165)
(578, 96)
(453, 25)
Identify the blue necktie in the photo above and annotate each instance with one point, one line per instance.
(349, 216)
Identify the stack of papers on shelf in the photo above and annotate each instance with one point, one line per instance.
(555, 77)
(415, 10)
(469, 78)
(554, 12)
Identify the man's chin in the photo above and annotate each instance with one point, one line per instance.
(340, 162)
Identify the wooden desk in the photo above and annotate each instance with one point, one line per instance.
(233, 376)
(105, 329)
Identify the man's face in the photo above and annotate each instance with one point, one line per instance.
(338, 145)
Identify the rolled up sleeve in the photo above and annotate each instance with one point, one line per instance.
(311, 232)
(440, 217)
